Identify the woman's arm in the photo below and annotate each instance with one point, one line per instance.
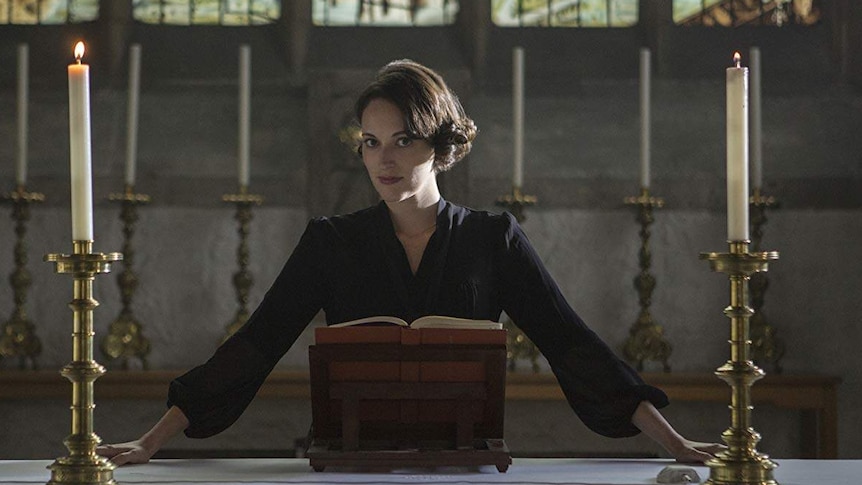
(647, 418)
(142, 449)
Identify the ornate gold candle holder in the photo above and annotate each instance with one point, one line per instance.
(740, 463)
(18, 337)
(242, 279)
(125, 339)
(646, 340)
(766, 346)
(82, 465)
(518, 346)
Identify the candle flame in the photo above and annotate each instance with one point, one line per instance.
(79, 51)
(737, 59)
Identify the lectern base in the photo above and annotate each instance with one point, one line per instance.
(322, 454)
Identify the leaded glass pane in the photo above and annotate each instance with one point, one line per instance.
(564, 13)
(733, 13)
(207, 12)
(48, 11)
(383, 13)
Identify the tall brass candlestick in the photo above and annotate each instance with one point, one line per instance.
(740, 463)
(518, 346)
(18, 333)
(766, 346)
(125, 339)
(646, 340)
(242, 279)
(82, 465)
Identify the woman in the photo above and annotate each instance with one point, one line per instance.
(414, 254)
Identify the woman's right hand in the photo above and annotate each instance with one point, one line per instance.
(143, 448)
(128, 452)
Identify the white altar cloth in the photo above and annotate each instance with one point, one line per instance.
(525, 471)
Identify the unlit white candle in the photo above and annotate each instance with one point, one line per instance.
(23, 88)
(737, 152)
(79, 148)
(645, 75)
(132, 112)
(244, 113)
(756, 122)
(518, 115)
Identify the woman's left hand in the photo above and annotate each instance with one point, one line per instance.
(688, 451)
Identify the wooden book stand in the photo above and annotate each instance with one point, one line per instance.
(389, 397)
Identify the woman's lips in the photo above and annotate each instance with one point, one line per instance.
(388, 180)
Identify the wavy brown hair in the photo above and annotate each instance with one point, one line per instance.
(431, 110)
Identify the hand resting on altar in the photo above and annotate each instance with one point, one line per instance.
(143, 448)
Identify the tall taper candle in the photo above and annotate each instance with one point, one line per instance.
(23, 88)
(79, 148)
(132, 112)
(645, 75)
(518, 115)
(244, 113)
(737, 151)
(756, 122)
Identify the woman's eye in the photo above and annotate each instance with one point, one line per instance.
(369, 142)
(403, 142)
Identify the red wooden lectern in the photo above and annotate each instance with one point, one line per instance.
(389, 396)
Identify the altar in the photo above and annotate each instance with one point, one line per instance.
(523, 471)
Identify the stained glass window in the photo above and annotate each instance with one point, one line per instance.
(383, 13)
(564, 13)
(207, 12)
(48, 11)
(733, 13)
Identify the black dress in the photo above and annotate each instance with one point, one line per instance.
(476, 265)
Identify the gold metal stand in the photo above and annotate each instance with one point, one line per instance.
(646, 340)
(518, 346)
(82, 466)
(18, 335)
(766, 346)
(242, 279)
(741, 463)
(125, 339)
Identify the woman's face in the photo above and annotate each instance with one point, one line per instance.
(400, 167)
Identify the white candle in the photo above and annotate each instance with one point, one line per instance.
(79, 148)
(645, 117)
(756, 122)
(132, 112)
(518, 115)
(244, 113)
(737, 151)
(23, 87)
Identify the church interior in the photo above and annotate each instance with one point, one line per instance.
(188, 222)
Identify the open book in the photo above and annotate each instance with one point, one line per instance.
(428, 321)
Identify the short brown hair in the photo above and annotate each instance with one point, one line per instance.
(431, 110)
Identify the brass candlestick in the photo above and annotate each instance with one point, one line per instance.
(242, 279)
(740, 463)
(82, 466)
(125, 339)
(18, 336)
(766, 346)
(646, 340)
(518, 346)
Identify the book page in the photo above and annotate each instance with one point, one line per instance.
(377, 319)
(437, 321)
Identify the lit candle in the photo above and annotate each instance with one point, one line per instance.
(132, 113)
(23, 86)
(518, 115)
(244, 113)
(756, 122)
(737, 151)
(645, 116)
(79, 148)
